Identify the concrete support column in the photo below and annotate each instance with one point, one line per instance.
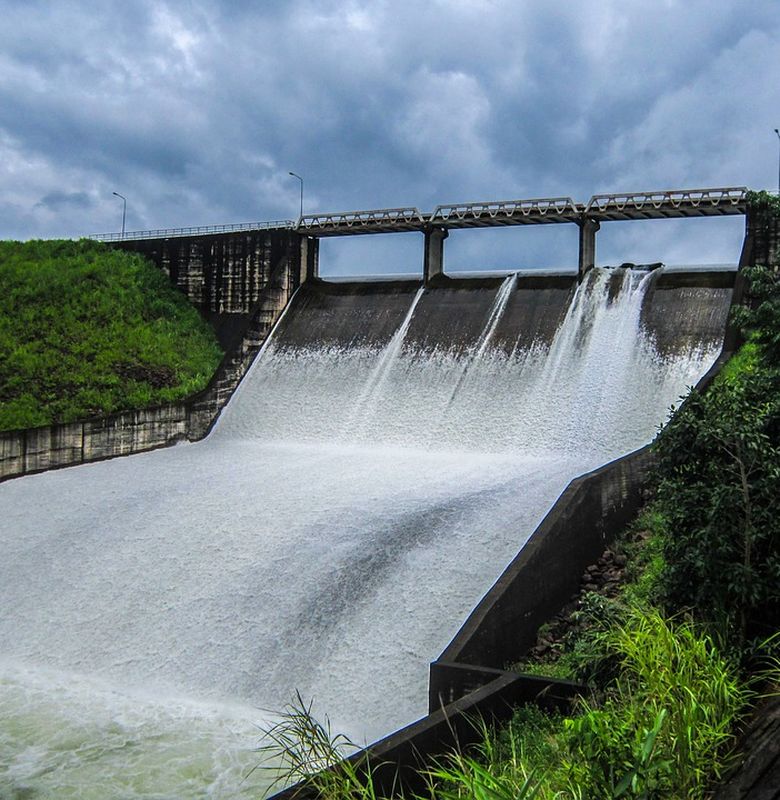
(313, 260)
(433, 260)
(587, 259)
(310, 258)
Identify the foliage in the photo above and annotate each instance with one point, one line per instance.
(663, 729)
(643, 545)
(300, 749)
(666, 726)
(764, 201)
(87, 330)
(719, 462)
(760, 316)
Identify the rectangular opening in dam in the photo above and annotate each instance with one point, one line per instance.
(511, 248)
(377, 256)
(677, 242)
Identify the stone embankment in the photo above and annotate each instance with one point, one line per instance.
(605, 577)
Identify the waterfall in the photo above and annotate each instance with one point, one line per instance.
(352, 506)
(361, 412)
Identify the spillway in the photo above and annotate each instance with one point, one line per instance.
(386, 456)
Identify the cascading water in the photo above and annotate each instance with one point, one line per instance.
(351, 507)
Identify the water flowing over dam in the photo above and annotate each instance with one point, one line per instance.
(386, 456)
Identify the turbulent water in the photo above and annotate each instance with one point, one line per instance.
(351, 507)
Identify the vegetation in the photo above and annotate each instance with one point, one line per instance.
(766, 202)
(662, 729)
(719, 467)
(86, 330)
(300, 748)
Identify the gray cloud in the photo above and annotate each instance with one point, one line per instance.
(197, 112)
(57, 200)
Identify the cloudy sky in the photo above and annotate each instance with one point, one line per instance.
(196, 112)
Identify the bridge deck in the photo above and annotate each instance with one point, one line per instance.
(506, 212)
(667, 204)
(202, 230)
(346, 223)
(538, 211)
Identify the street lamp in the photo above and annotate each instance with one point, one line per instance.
(778, 164)
(295, 175)
(124, 211)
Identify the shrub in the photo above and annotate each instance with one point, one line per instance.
(719, 464)
(665, 729)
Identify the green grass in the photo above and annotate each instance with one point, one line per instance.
(86, 330)
(666, 727)
(661, 727)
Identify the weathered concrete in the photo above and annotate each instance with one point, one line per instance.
(756, 775)
(763, 229)
(546, 572)
(223, 274)
(433, 256)
(455, 312)
(682, 309)
(587, 254)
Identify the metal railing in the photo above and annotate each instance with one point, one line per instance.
(704, 199)
(509, 210)
(408, 218)
(633, 205)
(202, 230)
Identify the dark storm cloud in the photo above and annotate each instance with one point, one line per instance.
(57, 200)
(196, 112)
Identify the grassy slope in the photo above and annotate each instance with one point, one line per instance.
(86, 330)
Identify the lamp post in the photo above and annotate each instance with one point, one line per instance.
(124, 211)
(295, 175)
(778, 164)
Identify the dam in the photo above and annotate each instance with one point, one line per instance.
(388, 453)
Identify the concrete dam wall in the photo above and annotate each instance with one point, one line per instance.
(385, 457)
(679, 309)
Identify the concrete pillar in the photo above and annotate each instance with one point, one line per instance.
(433, 259)
(587, 259)
(310, 258)
(304, 259)
(313, 259)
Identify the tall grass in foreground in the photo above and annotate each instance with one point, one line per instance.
(667, 724)
(300, 749)
(664, 728)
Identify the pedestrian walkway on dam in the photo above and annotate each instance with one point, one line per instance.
(664, 204)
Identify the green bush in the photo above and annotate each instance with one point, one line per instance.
(86, 330)
(666, 727)
(719, 465)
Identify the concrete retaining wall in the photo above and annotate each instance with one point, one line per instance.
(763, 229)
(222, 274)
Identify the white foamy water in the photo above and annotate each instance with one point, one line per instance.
(330, 536)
